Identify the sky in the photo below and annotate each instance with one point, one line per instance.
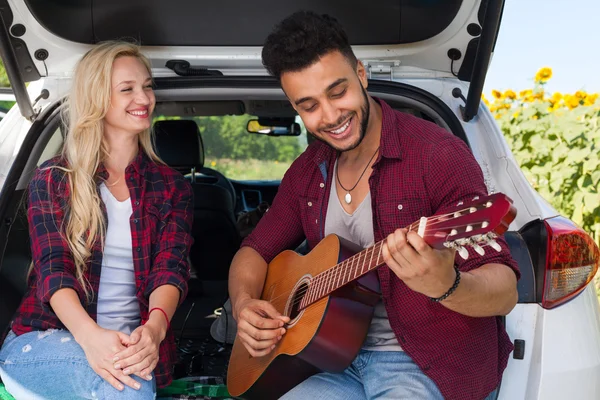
(560, 34)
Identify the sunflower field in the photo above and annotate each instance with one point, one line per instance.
(555, 138)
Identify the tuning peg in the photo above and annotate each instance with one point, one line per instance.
(462, 252)
(478, 249)
(494, 245)
(460, 203)
(472, 210)
(476, 198)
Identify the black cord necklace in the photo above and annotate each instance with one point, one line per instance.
(348, 196)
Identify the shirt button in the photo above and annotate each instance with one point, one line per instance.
(140, 278)
(138, 249)
(322, 185)
(310, 203)
(316, 221)
(131, 178)
(135, 221)
(137, 203)
(400, 207)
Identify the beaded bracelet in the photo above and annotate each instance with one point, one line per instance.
(451, 290)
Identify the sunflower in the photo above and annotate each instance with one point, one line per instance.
(571, 101)
(526, 95)
(509, 94)
(543, 75)
(590, 99)
(556, 97)
(497, 94)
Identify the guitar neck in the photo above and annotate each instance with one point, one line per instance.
(343, 273)
(474, 223)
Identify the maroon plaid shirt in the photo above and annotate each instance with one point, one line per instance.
(421, 170)
(160, 231)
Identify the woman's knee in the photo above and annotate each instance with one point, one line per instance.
(147, 391)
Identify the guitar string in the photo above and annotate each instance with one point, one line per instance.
(321, 296)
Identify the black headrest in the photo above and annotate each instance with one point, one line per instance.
(179, 144)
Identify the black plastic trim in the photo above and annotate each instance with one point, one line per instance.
(267, 82)
(526, 286)
(183, 68)
(24, 62)
(12, 70)
(491, 24)
(535, 235)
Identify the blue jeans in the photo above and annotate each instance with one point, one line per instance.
(51, 365)
(372, 375)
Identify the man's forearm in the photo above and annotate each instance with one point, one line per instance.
(489, 290)
(246, 277)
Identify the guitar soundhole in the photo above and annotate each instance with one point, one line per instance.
(294, 309)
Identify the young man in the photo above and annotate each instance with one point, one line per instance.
(436, 333)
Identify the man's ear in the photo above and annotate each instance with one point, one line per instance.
(286, 95)
(361, 72)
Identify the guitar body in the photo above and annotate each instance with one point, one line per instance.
(325, 336)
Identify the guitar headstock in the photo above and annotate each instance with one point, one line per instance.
(475, 223)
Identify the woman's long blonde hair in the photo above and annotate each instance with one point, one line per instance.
(85, 147)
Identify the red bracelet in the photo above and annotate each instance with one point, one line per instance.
(164, 313)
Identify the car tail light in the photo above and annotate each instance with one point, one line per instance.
(572, 260)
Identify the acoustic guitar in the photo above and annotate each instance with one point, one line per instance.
(330, 293)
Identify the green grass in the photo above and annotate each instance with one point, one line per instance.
(249, 169)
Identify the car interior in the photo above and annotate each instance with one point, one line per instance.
(219, 201)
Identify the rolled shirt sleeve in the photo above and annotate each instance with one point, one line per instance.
(52, 258)
(450, 182)
(170, 264)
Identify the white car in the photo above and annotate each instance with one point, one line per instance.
(428, 58)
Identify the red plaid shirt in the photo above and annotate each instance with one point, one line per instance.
(421, 170)
(160, 232)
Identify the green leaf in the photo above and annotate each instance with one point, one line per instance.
(595, 178)
(591, 201)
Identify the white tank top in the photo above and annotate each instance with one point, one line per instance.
(118, 307)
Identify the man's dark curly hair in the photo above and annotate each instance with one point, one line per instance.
(301, 39)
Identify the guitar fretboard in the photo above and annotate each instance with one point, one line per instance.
(340, 274)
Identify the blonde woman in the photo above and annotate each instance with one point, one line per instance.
(110, 234)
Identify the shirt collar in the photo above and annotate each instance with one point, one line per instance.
(390, 144)
(137, 165)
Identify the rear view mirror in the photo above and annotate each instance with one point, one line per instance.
(274, 126)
